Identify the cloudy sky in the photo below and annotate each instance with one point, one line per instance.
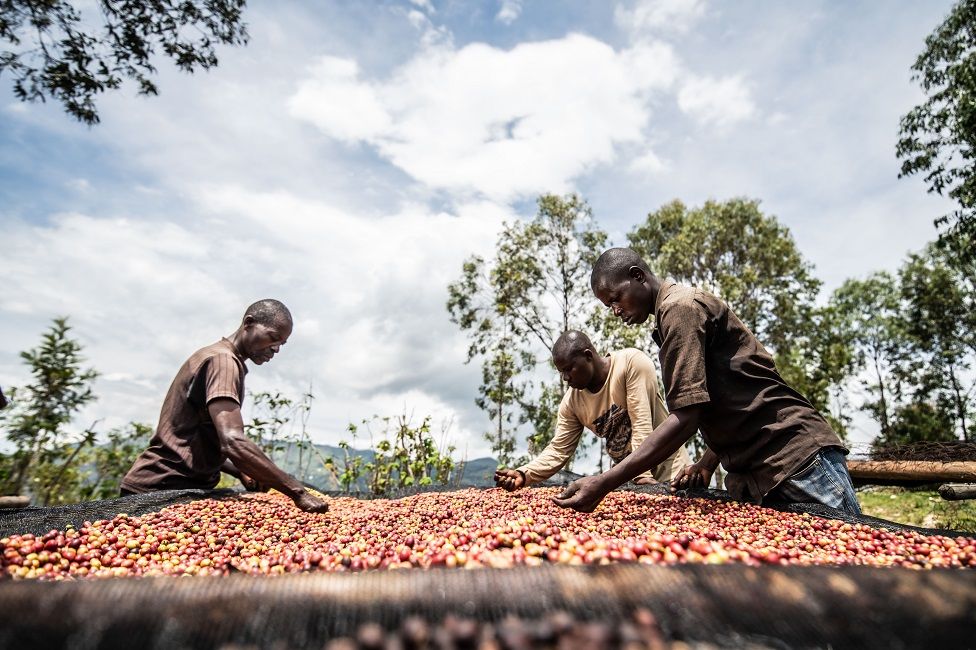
(354, 153)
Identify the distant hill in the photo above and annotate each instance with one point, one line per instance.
(309, 466)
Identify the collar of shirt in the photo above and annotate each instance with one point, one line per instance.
(663, 290)
(237, 353)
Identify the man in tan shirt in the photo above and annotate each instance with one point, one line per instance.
(718, 379)
(201, 430)
(615, 396)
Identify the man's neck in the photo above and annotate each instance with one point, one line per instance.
(235, 341)
(601, 374)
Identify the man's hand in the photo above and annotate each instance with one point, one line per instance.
(582, 495)
(310, 503)
(510, 479)
(695, 475)
(645, 480)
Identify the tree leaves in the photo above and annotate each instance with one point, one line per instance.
(54, 52)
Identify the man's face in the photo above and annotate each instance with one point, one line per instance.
(575, 369)
(628, 299)
(265, 341)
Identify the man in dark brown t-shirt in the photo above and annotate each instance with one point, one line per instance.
(720, 380)
(201, 430)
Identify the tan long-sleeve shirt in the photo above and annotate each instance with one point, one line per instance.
(623, 412)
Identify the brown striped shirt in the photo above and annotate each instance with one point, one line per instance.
(185, 450)
(762, 430)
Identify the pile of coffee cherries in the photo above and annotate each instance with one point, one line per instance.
(266, 534)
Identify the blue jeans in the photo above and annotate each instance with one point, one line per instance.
(824, 480)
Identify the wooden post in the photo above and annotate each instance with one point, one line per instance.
(13, 503)
(923, 471)
(957, 491)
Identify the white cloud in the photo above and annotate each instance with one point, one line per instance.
(509, 11)
(372, 332)
(648, 163)
(424, 4)
(499, 123)
(647, 17)
(717, 102)
(333, 98)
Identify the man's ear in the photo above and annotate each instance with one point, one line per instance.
(636, 274)
(248, 321)
(589, 354)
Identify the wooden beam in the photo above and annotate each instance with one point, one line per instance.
(926, 471)
(957, 491)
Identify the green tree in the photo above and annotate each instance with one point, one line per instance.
(750, 260)
(938, 137)
(51, 50)
(474, 306)
(515, 307)
(37, 426)
(736, 252)
(940, 321)
(918, 421)
(108, 462)
(870, 314)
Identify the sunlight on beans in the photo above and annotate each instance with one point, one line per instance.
(266, 534)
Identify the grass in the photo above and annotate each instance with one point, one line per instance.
(918, 508)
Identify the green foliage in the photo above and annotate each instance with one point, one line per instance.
(940, 322)
(108, 462)
(938, 137)
(403, 456)
(514, 308)
(735, 251)
(869, 314)
(273, 427)
(919, 422)
(37, 424)
(52, 51)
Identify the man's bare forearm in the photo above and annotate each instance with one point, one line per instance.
(709, 460)
(248, 458)
(679, 426)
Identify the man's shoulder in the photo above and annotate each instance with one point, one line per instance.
(685, 302)
(221, 348)
(627, 357)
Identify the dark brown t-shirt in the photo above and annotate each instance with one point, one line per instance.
(761, 429)
(185, 451)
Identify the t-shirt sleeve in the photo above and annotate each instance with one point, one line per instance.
(683, 355)
(222, 378)
(560, 449)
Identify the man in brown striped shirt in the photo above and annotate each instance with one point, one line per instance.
(201, 430)
(720, 380)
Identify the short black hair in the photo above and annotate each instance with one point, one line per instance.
(571, 343)
(614, 264)
(269, 312)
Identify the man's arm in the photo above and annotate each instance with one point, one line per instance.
(248, 458)
(556, 454)
(586, 494)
